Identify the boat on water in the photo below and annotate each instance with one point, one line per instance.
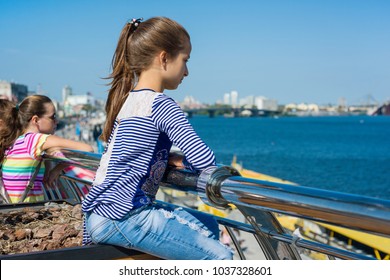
(249, 210)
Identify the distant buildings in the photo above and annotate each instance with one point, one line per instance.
(12, 91)
(302, 107)
(226, 99)
(71, 99)
(76, 104)
(66, 91)
(234, 98)
(191, 103)
(87, 105)
(259, 102)
(71, 104)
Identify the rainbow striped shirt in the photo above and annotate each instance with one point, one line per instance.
(136, 155)
(19, 165)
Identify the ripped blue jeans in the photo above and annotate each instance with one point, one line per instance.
(168, 233)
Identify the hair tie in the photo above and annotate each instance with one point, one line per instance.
(17, 107)
(135, 22)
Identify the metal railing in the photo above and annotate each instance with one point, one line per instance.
(258, 201)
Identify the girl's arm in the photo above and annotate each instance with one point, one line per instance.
(169, 118)
(54, 142)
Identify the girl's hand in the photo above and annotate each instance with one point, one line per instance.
(51, 177)
(176, 160)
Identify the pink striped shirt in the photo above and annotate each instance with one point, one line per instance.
(19, 165)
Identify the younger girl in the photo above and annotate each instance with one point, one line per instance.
(142, 123)
(25, 134)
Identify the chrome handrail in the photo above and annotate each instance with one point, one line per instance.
(219, 186)
(343, 209)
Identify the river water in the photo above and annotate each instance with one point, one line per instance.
(347, 153)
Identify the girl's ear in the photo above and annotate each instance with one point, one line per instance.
(34, 119)
(163, 59)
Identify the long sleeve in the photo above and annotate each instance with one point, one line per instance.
(169, 118)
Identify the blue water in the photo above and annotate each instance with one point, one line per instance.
(347, 154)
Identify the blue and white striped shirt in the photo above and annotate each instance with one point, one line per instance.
(136, 155)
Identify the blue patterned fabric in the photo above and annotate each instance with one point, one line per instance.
(137, 153)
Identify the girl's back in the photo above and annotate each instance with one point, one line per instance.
(19, 165)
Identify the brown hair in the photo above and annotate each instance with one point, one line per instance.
(14, 119)
(9, 125)
(138, 44)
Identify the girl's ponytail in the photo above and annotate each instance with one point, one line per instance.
(10, 126)
(122, 80)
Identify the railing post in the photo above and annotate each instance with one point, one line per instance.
(209, 184)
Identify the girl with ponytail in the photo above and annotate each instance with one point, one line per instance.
(142, 124)
(26, 132)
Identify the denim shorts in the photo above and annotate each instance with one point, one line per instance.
(165, 232)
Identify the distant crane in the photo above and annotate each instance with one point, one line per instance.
(369, 98)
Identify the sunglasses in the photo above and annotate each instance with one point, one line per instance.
(52, 117)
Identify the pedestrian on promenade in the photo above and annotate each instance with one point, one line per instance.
(26, 132)
(78, 130)
(97, 131)
(141, 126)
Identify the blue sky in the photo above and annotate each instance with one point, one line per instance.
(291, 51)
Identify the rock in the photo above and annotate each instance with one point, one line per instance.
(30, 230)
(22, 233)
(59, 231)
(43, 233)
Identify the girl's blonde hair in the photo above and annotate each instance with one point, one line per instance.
(138, 44)
(14, 118)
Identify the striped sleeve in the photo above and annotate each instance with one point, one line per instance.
(169, 118)
(35, 141)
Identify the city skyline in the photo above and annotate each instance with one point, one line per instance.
(229, 98)
(302, 51)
